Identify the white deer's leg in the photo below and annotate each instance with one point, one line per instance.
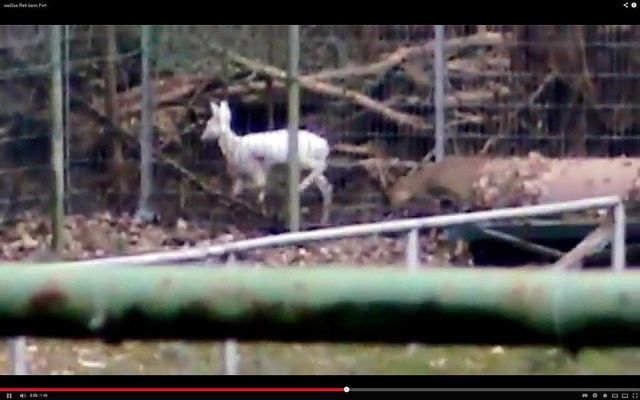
(260, 180)
(306, 182)
(311, 178)
(261, 195)
(237, 188)
(326, 188)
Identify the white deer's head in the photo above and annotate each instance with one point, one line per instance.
(220, 121)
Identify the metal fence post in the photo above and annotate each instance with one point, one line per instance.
(67, 116)
(439, 68)
(146, 133)
(294, 122)
(57, 147)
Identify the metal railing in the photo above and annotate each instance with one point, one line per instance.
(413, 225)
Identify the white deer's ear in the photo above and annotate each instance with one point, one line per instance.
(214, 107)
(224, 106)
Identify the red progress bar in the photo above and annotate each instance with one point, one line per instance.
(293, 390)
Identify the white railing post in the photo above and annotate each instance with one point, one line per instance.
(230, 356)
(618, 252)
(413, 250)
(18, 355)
(412, 254)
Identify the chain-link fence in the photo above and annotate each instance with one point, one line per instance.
(246, 64)
(357, 92)
(372, 91)
(381, 94)
(562, 90)
(28, 113)
(25, 141)
(102, 81)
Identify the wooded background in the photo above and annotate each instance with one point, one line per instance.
(509, 89)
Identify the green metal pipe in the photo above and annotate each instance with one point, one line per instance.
(438, 306)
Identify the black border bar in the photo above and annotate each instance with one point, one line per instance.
(577, 382)
(196, 12)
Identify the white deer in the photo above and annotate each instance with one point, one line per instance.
(253, 155)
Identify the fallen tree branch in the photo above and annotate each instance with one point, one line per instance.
(461, 99)
(589, 245)
(343, 123)
(380, 67)
(401, 55)
(367, 150)
(400, 118)
(164, 90)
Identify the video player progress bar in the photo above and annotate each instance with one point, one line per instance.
(582, 390)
